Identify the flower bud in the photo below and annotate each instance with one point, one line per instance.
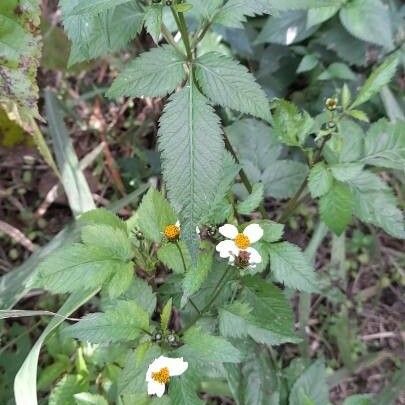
(331, 104)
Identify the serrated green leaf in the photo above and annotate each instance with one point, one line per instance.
(235, 12)
(254, 381)
(272, 319)
(290, 266)
(95, 6)
(337, 71)
(286, 28)
(336, 207)
(166, 315)
(183, 390)
(95, 35)
(101, 216)
(253, 201)
(196, 275)
(319, 15)
(311, 386)
(153, 21)
(362, 399)
(64, 391)
(200, 346)
(377, 80)
(307, 63)
(290, 125)
(220, 208)
(121, 280)
(283, 178)
(239, 89)
(368, 20)
(86, 398)
(154, 214)
(384, 145)
(76, 267)
(112, 240)
(192, 151)
(346, 96)
(301, 4)
(375, 203)
(170, 256)
(272, 231)
(152, 74)
(346, 171)
(320, 180)
(123, 322)
(141, 293)
(358, 115)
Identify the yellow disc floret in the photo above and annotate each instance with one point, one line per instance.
(242, 241)
(172, 232)
(162, 376)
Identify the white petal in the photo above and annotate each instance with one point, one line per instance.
(197, 230)
(254, 257)
(227, 248)
(254, 232)
(229, 231)
(178, 224)
(155, 366)
(176, 366)
(156, 388)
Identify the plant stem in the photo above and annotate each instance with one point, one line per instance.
(214, 296)
(182, 26)
(185, 269)
(169, 38)
(242, 173)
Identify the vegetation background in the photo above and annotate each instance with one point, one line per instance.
(57, 119)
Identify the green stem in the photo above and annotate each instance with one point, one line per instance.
(214, 296)
(242, 173)
(169, 38)
(182, 26)
(185, 269)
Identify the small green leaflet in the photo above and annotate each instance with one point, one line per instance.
(375, 203)
(290, 125)
(235, 12)
(320, 180)
(377, 80)
(272, 231)
(86, 398)
(66, 388)
(290, 266)
(122, 322)
(272, 318)
(154, 214)
(200, 346)
(346, 171)
(384, 145)
(247, 206)
(336, 207)
(153, 74)
(229, 84)
(95, 35)
(197, 274)
(311, 387)
(170, 256)
(96, 6)
(321, 14)
(192, 154)
(183, 389)
(166, 315)
(368, 20)
(101, 216)
(153, 21)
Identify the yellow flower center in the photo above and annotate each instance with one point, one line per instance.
(172, 232)
(162, 376)
(242, 241)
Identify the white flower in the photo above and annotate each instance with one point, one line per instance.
(160, 371)
(238, 243)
